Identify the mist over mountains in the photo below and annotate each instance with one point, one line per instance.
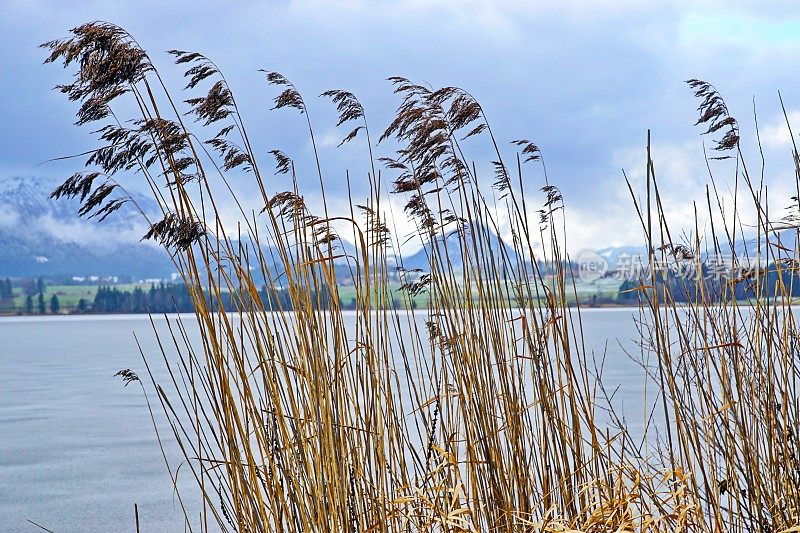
(40, 236)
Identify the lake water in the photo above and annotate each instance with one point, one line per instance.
(78, 449)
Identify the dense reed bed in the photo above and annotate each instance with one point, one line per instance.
(475, 414)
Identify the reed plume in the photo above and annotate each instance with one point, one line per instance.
(478, 413)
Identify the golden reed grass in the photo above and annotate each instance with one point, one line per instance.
(479, 413)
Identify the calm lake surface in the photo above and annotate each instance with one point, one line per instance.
(78, 449)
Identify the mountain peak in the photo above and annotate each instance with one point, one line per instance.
(39, 235)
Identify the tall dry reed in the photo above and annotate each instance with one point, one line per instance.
(479, 413)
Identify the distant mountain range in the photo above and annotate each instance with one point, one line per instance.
(40, 236)
(451, 249)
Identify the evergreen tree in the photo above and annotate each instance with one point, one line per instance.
(29, 304)
(627, 292)
(55, 306)
(82, 306)
(6, 292)
(171, 298)
(41, 305)
(6, 295)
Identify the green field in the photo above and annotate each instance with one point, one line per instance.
(70, 295)
(606, 290)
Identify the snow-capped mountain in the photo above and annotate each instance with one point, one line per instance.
(421, 258)
(41, 236)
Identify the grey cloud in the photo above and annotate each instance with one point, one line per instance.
(584, 80)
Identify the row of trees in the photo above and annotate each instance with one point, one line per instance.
(30, 288)
(161, 298)
(40, 307)
(171, 298)
(164, 298)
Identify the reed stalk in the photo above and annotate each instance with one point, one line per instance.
(480, 412)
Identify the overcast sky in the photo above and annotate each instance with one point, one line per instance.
(584, 80)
